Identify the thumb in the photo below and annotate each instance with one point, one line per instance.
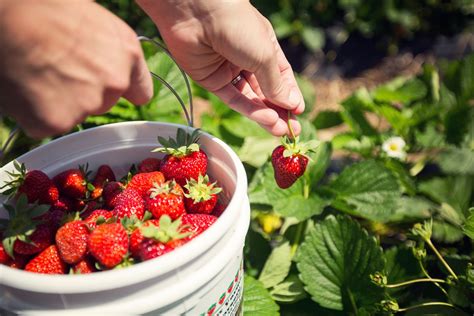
(140, 90)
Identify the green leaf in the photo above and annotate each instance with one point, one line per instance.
(289, 291)
(399, 91)
(327, 119)
(430, 137)
(256, 149)
(335, 262)
(469, 224)
(406, 182)
(277, 266)
(313, 38)
(446, 232)
(459, 293)
(410, 209)
(457, 161)
(257, 300)
(242, 127)
(354, 116)
(319, 163)
(366, 189)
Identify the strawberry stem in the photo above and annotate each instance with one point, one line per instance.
(292, 134)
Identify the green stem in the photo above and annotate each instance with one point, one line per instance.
(429, 277)
(353, 303)
(440, 257)
(292, 134)
(298, 235)
(426, 304)
(395, 285)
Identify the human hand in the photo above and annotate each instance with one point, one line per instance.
(215, 40)
(61, 61)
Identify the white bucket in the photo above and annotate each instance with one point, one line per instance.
(202, 277)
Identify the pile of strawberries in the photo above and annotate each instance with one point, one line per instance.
(72, 223)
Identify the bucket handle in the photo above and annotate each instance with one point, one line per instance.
(189, 114)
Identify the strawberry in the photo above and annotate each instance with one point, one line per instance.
(289, 161)
(35, 184)
(149, 164)
(165, 198)
(200, 195)
(19, 262)
(110, 192)
(136, 237)
(88, 208)
(108, 243)
(142, 182)
(197, 223)
(71, 240)
(39, 240)
(97, 216)
(48, 262)
(4, 257)
(161, 239)
(129, 203)
(184, 159)
(84, 266)
(72, 183)
(218, 209)
(104, 174)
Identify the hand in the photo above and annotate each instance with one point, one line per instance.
(215, 40)
(61, 61)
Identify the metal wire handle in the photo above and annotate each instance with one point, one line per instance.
(189, 115)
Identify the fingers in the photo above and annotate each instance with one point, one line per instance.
(140, 90)
(244, 100)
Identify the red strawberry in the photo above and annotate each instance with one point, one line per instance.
(84, 266)
(71, 240)
(184, 159)
(104, 174)
(72, 183)
(108, 243)
(64, 204)
(289, 161)
(48, 262)
(136, 237)
(149, 165)
(110, 192)
(218, 209)
(197, 223)
(165, 198)
(96, 215)
(158, 240)
(129, 203)
(89, 207)
(142, 182)
(4, 257)
(200, 195)
(36, 184)
(39, 240)
(19, 262)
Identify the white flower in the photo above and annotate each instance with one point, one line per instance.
(394, 147)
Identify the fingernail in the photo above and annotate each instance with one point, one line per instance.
(294, 97)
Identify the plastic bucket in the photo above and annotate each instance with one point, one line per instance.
(202, 277)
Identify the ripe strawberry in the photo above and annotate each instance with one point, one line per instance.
(96, 216)
(165, 198)
(4, 257)
(142, 182)
(184, 159)
(136, 237)
(158, 240)
(36, 184)
(200, 195)
(129, 203)
(84, 266)
(104, 174)
(19, 262)
(88, 208)
(197, 223)
(108, 243)
(289, 161)
(39, 240)
(149, 164)
(110, 193)
(71, 240)
(218, 209)
(48, 262)
(72, 183)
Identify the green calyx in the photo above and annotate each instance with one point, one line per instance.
(168, 187)
(167, 230)
(183, 145)
(201, 189)
(17, 178)
(21, 224)
(295, 147)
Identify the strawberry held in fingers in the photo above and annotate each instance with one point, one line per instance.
(200, 195)
(184, 159)
(289, 161)
(35, 184)
(165, 199)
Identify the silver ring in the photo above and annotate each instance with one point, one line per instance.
(237, 79)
